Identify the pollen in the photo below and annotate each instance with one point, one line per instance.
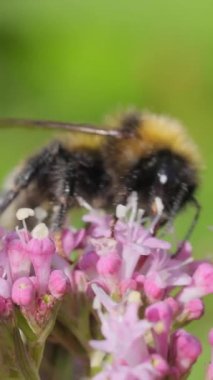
(134, 297)
(40, 213)
(158, 206)
(24, 213)
(121, 211)
(40, 231)
(22, 285)
(159, 327)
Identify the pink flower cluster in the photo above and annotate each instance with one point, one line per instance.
(143, 339)
(141, 295)
(32, 274)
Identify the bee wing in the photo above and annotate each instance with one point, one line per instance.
(71, 127)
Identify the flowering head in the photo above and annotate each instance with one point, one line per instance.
(27, 272)
(127, 296)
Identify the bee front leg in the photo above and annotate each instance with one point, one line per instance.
(59, 213)
(58, 218)
(63, 202)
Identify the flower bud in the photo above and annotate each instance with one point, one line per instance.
(71, 240)
(109, 264)
(194, 309)
(203, 277)
(57, 283)
(23, 291)
(186, 350)
(88, 261)
(160, 311)
(152, 290)
(174, 305)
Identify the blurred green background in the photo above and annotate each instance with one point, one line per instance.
(79, 60)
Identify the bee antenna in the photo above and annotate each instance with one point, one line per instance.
(175, 209)
(195, 219)
(72, 127)
(177, 203)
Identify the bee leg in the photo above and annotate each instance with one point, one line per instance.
(59, 214)
(27, 174)
(113, 224)
(60, 210)
(175, 208)
(7, 198)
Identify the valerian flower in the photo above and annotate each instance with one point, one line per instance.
(121, 307)
(27, 269)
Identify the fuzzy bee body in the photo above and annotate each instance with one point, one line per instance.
(150, 154)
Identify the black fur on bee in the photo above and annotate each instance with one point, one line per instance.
(140, 152)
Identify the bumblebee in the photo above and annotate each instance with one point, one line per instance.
(141, 152)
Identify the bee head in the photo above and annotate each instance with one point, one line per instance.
(164, 175)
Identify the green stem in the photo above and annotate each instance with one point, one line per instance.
(23, 324)
(72, 318)
(36, 352)
(67, 339)
(37, 347)
(24, 362)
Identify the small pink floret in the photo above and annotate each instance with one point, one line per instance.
(152, 290)
(109, 264)
(203, 277)
(187, 349)
(174, 305)
(88, 261)
(23, 291)
(160, 311)
(57, 283)
(194, 309)
(71, 239)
